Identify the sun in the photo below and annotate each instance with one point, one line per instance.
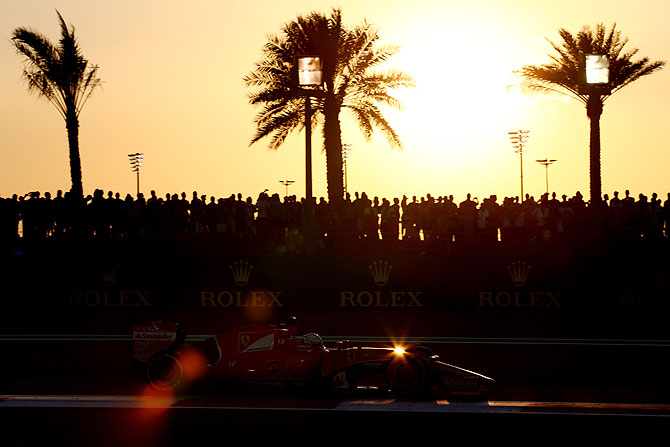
(455, 121)
(466, 98)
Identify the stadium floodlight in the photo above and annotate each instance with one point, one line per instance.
(546, 162)
(310, 71)
(135, 163)
(518, 139)
(594, 74)
(286, 183)
(346, 148)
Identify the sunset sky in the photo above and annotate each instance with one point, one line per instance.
(173, 89)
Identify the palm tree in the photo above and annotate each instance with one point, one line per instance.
(63, 76)
(349, 82)
(565, 75)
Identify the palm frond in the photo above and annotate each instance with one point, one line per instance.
(369, 117)
(59, 73)
(563, 75)
(351, 80)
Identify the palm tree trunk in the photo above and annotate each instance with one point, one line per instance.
(72, 125)
(333, 145)
(594, 109)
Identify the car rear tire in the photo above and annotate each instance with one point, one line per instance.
(406, 377)
(164, 371)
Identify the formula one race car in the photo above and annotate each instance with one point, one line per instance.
(256, 353)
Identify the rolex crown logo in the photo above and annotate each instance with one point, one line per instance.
(380, 272)
(518, 270)
(241, 272)
(108, 272)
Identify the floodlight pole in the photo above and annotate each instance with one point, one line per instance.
(594, 81)
(521, 171)
(309, 73)
(546, 162)
(135, 163)
(345, 155)
(518, 139)
(308, 151)
(286, 183)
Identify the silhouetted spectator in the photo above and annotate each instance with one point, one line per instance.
(467, 216)
(390, 220)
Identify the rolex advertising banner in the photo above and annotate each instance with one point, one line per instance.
(133, 286)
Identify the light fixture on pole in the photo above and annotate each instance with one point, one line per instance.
(135, 163)
(594, 71)
(286, 183)
(518, 139)
(309, 70)
(346, 148)
(546, 162)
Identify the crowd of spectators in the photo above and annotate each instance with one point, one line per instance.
(361, 224)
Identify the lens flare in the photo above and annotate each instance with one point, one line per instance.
(194, 364)
(144, 424)
(259, 304)
(153, 399)
(399, 350)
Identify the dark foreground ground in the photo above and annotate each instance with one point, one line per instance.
(87, 393)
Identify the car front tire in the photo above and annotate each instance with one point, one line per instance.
(406, 377)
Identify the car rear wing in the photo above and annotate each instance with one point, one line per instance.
(156, 336)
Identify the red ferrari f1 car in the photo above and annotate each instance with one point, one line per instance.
(256, 353)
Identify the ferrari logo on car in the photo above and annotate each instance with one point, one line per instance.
(272, 366)
(244, 339)
(351, 356)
